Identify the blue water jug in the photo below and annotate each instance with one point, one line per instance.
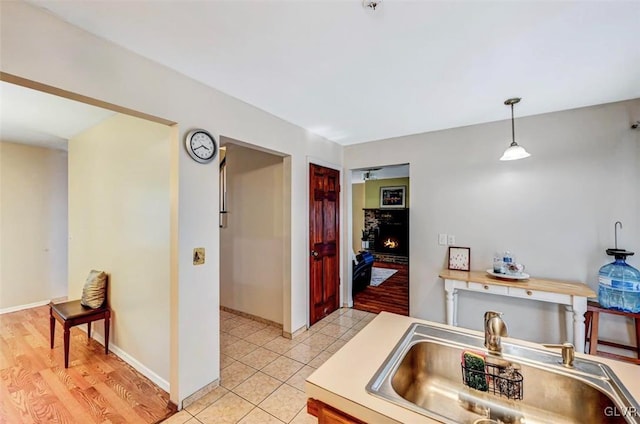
(619, 283)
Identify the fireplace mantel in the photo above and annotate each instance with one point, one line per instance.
(392, 224)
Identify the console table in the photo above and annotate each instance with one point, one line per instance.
(572, 295)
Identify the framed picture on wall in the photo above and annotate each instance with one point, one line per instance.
(459, 258)
(392, 197)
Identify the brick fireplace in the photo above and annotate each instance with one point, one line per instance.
(388, 234)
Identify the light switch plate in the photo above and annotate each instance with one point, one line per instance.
(451, 240)
(198, 255)
(442, 239)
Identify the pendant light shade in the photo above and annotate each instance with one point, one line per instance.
(514, 151)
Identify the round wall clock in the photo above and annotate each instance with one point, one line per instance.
(201, 146)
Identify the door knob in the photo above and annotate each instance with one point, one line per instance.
(314, 253)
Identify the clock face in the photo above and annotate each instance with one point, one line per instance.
(201, 146)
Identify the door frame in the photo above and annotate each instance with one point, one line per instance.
(307, 288)
(347, 233)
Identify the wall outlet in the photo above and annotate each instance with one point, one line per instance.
(451, 240)
(442, 239)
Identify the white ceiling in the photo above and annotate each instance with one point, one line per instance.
(32, 117)
(352, 74)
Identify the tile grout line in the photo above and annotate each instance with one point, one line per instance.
(324, 339)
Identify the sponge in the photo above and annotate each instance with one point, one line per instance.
(474, 374)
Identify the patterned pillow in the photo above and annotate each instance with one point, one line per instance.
(94, 290)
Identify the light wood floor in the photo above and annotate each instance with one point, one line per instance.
(96, 388)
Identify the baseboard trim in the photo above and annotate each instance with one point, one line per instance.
(295, 334)
(137, 365)
(251, 317)
(21, 307)
(189, 400)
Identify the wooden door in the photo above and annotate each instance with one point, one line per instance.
(324, 238)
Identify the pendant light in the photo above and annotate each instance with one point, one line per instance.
(514, 151)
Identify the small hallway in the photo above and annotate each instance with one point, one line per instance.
(263, 374)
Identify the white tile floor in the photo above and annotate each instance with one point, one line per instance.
(262, 373)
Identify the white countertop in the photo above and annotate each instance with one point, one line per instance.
(341, 380)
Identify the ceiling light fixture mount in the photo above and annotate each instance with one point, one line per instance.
(372, 4)
(514, 151)
(368, 174)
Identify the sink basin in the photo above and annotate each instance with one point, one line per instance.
(423, 373)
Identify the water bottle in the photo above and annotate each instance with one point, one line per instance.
(507, 260)
(619, 283)
(498, 264)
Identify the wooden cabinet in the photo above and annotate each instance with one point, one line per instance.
(327, 414)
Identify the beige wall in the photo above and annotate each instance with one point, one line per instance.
(555, 210)
(33, 225)
(372, 190)
(119, 204)
(116, 75)
(357, 214)
(252, 243)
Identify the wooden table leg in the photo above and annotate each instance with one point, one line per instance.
(638, 337)
(52, 328)
(593, 344)
(66, 346)
(107, 317)
(451, 301)
(587, 328)
(579, 306)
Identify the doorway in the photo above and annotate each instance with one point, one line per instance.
(381, 237)
(252, 231)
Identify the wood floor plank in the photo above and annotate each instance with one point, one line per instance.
(125, 407)
(50, 408)
(390, 296)
(62, 392)
(6, 359)
(8, 411)
(96, 405)
(96, 388)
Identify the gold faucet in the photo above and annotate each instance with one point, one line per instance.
(568, 353)
(494, 329)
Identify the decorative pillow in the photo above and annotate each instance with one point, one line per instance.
(94, 290)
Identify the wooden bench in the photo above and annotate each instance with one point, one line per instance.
(592, 321)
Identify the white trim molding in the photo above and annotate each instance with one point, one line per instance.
(137, 365)
(21, 307)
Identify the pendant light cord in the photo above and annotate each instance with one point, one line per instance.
(513, 128)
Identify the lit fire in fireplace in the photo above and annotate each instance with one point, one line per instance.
(391, 244)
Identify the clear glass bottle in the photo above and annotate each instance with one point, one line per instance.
(619, 283)
(498, 264)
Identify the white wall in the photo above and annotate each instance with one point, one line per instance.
(82, 63)
(251, 245)
(33, 225)
(555, 210)
(119, 204)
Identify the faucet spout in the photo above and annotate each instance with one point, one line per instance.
(494, 329)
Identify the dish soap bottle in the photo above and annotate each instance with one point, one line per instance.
(619, 283)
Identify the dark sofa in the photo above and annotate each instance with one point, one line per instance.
(362, 271)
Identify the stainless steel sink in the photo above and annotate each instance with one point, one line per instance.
(423, 373)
